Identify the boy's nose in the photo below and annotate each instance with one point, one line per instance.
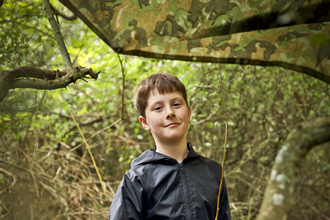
(171, 115)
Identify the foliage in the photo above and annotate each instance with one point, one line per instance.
(41, 146)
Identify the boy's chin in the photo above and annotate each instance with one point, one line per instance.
(173, 139)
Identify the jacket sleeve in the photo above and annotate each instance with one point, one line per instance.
(224, 212)
(127, 203)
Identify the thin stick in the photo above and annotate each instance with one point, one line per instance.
(12, 176)
(315, 209)
(224, 148)
(123, 92)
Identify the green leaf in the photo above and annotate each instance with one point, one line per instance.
(82, 111)
(326, 167)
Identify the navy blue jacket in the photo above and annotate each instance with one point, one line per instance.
(157, 187)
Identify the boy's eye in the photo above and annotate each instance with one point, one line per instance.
(158, 108)
(177, 104)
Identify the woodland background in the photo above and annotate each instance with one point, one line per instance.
(46, 171)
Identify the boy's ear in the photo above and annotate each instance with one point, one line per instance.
(144, 123)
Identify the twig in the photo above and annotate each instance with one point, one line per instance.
(224, 147)
(12, 176)
(34, 179)
(30, 159)
(207, 118)
(58, 141)
(123, 89)
(98, 132)
(75, 214)
(314, 209)
(66, 17)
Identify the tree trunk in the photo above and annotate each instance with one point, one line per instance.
(277, 200)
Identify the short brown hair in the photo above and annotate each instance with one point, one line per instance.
(163, 83)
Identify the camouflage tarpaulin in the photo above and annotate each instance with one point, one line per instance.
(294, 34)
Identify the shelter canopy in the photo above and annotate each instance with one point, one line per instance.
(294, 34)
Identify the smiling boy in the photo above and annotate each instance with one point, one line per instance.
(170, 181)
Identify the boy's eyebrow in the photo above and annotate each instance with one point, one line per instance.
(161, 101)
(155, 103)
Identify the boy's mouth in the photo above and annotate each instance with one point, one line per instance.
(172, 125)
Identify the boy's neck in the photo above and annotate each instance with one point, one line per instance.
(176, 150)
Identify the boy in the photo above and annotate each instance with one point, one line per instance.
(171, 181)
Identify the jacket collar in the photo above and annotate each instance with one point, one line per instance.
(151, 156)
(192, 153)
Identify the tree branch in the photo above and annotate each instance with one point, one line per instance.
(37, 78)
(44, 79)
(30, 71)
(58, 37)
(66, 17)
(277, 200)
(12, 176)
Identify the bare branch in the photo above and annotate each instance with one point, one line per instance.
(40, 78)
(58, 37)
(30, 71)
(277, 200)
(123, 89)
(314, 209)
(36, 78)
(66, 17)
(12, 176)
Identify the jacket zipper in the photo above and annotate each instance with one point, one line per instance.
(184, 186)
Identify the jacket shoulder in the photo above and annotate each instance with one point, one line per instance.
(139, 171)
(214, 166)
(140, 167)
(209, 162)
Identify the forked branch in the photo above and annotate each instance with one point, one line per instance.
(64, 16)
(36, 78)
(58, 37)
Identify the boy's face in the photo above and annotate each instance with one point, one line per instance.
(167, 117)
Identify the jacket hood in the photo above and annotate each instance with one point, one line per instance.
(151, 156)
